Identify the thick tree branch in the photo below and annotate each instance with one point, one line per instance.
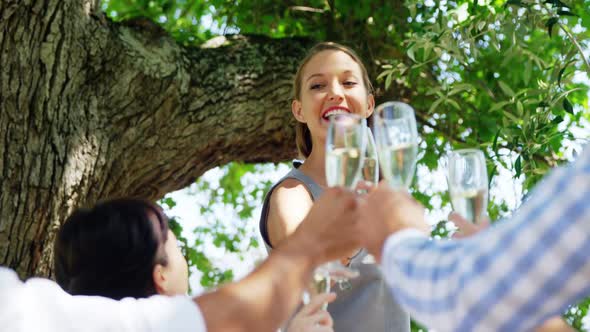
(200, 107)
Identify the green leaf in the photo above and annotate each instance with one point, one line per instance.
(388, 81)
(384, 73)
(550, 23)
(567, 106)
(481, 25)
(557, 120)
(454, 104)
(254, 242)
(410, 54)
(566, 13)
(427, 49)
(169, 202)
(528, 69)
(495, 142)
(460, 88)
(511, 116)
(517, 3)
(560, 75)
(556, 3)
(519, 108)
(499, 106)
(434, 105)
(506, 89)
(518, 167)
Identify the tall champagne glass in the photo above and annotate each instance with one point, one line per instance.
(345, 148)
(397, 142)
(468, 183)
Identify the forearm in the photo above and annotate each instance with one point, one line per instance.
(509, 277)
(264, 299)
(412, 264)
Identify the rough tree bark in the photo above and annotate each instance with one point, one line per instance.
(91, 109)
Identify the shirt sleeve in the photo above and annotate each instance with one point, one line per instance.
(41, 305)
(509, 277)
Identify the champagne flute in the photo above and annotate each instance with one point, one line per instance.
(397, 142)
(345, 152)
(468, 183)
(345, 145)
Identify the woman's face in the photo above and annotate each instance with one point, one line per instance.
(176, 271)
(331, 83)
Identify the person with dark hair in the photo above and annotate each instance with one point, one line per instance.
(331, 79)
(119, 248)
(123, 248)
(259, 302)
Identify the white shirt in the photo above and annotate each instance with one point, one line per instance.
(509, 277)
(41, 305)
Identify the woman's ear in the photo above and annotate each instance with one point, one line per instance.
(159, 276)
(297, 110)
(370, 105)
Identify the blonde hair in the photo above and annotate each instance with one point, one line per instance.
(302, 134)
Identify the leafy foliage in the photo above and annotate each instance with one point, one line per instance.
(227, 203)
(509, 77)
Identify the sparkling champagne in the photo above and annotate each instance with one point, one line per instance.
(471, 204)
(370, 170)
(342, 166)
(398, 164)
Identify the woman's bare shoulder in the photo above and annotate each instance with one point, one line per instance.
(289, 203)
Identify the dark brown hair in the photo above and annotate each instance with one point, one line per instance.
(111, 249)
(302, 134)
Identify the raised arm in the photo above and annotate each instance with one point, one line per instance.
(507, 278)
(260, 302)
(264, 299)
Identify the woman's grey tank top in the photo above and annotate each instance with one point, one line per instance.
(368, 306)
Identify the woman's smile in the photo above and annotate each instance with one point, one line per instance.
(333, 110)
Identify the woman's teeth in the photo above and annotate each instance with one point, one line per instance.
(334, 112)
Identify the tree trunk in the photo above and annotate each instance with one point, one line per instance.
(92, 109)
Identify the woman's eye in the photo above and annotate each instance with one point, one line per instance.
(316, 86)
(350, 83)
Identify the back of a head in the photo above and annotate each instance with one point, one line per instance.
(111, 249)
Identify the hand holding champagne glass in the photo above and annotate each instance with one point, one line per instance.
(397, 142)
(468, 183)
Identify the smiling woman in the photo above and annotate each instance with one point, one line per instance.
(330, 80)
(314, 79)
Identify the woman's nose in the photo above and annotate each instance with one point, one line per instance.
(336, 93)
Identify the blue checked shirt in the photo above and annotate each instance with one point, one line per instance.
(510, 277)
